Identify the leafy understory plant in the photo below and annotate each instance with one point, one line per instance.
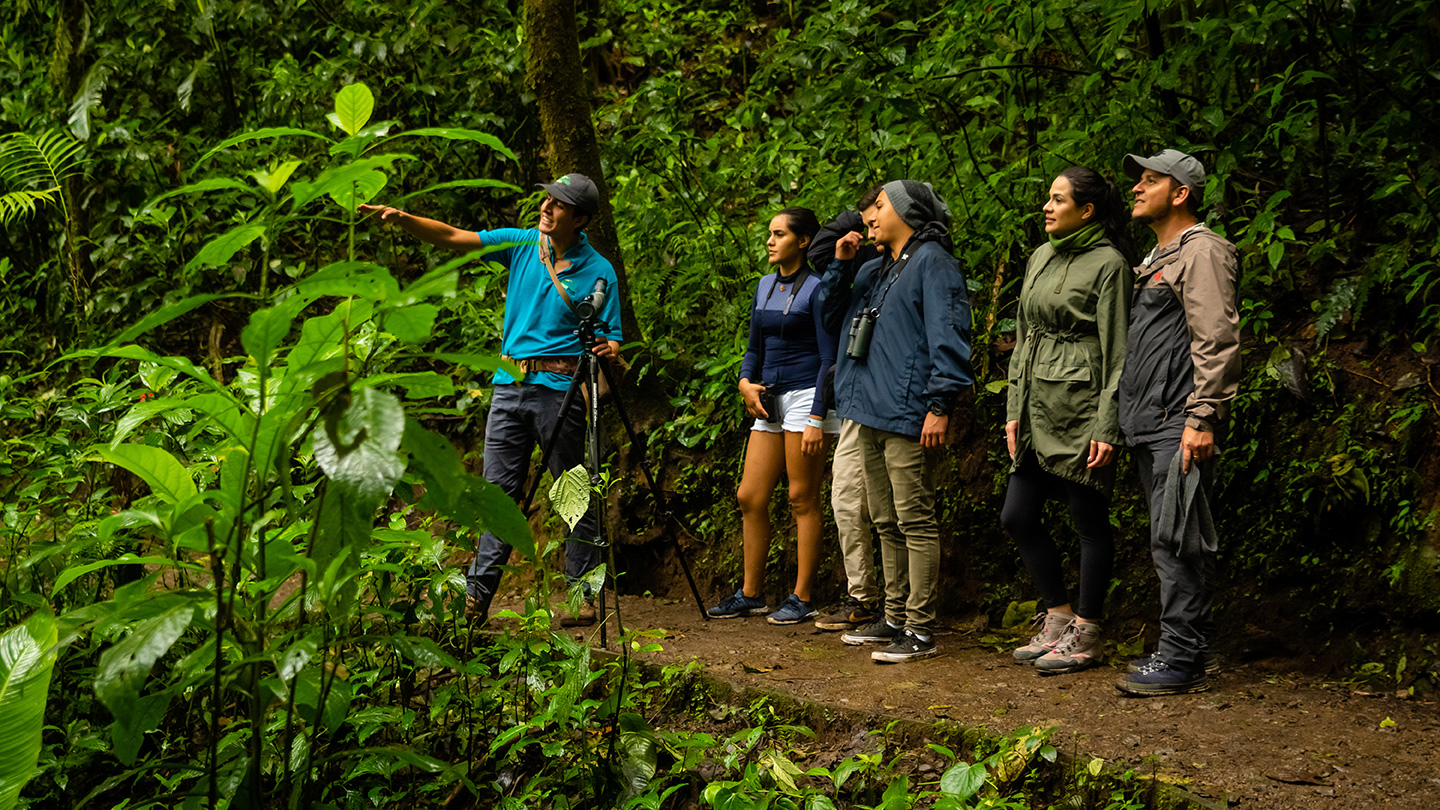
(273, 615)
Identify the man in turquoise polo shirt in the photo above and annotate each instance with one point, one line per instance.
(540, 336)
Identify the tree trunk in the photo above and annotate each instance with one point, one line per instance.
(557, 77)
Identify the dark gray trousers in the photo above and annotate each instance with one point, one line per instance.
(1187, 592)
(522, 416)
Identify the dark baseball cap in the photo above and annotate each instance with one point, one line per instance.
(577, 190)
(1177, 164)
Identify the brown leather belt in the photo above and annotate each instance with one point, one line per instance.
(564, 366)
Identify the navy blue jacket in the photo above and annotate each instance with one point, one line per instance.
(920, 352)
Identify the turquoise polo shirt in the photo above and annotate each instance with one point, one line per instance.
(538, 322)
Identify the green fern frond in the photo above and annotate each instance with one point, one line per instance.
(44, 160)
(35, 169)
(19, 204)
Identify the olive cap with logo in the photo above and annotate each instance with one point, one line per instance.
(1184, 168)
(575, 190)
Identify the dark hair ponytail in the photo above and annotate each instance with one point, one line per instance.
(803, 223)
(1089, 187)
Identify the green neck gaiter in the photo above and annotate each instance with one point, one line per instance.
(1083, 239)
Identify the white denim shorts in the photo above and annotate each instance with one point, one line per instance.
(795, 412)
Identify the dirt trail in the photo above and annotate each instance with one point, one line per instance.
(1261, 738)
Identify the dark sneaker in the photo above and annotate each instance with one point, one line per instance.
(1159, 678)
(848, 616)
(1052, 626)
(792, 611)
(738, 604)
(906, 647)
(878, 631)
(1212, 663)
(584, 618)
(1079, 648)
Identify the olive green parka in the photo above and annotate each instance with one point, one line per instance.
(1065, 372)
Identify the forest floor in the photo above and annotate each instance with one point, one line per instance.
(1266, 735)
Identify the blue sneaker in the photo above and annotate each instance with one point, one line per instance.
(792, 611)
(738, 604)
(1159, 678)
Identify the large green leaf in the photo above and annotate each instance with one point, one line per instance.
(74, 572)
(411, 324)
(122, 672)
(259, 134)
(353, 107)
(339, 179)
(570, 495)
(268, 328)
(453, 134)
(358, 447)
(343, 279)
(27, 657)
(167, 477)
(963, 780)
(476, 183)
(361, 190)
(461, 496)
(208, 184)
(222, 248)
(166, 314)
(321, 345)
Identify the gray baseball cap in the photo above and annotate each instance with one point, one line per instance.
(1173, 162)
(575, 189)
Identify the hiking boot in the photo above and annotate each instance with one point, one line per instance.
(905, 647)
(1159, 678)
(848, 616)
(1079, 648)
(738, 604)
(1052, 626)
(792, 611)
(878, 631)
(584, 618)
(476, 610)
(1212, 663)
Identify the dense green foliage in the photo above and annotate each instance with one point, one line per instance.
(215, 377)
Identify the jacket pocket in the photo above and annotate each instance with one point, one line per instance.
(1062, 373)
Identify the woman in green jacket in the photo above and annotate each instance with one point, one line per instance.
(1062, 425)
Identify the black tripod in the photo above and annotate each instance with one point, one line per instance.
(588, 370)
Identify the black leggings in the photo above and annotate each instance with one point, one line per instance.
(1030, 486)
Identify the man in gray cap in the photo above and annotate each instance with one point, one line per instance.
(1182, 368)
(551, 266)
(903, 362)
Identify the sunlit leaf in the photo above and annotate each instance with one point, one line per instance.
(353, 106)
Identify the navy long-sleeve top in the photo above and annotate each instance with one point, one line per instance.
(789, 352)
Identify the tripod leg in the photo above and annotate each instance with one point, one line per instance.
(670, 518)
(549, 447)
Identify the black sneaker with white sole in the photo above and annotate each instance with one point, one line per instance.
(906, 647)
(878, 631)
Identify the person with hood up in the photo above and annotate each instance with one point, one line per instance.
(904, 360)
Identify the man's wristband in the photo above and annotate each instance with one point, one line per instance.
(939, 408)
(815, 423)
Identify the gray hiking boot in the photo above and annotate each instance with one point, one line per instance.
(1051, 625)
(1079, 648)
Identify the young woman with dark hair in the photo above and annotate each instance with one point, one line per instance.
(1062, 427)
(782, 382)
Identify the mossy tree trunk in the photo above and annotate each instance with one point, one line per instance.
(557, 77)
